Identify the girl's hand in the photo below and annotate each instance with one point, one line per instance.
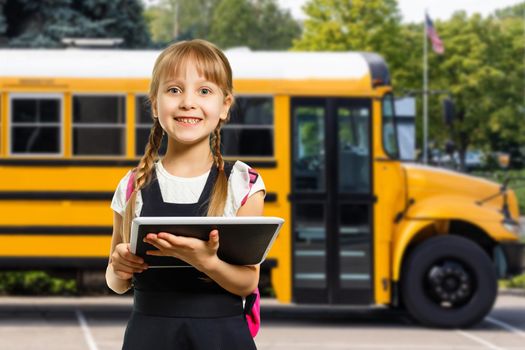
(125, 263)
(198, 253)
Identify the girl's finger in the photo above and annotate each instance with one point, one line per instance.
(131, 262)
(214, 236)
(173, 239)
(154, 252)
(131, 265)
(163, 243)
(153, 243)
(126, 269)
(128, 255)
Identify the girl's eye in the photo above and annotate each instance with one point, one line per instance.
(174, 89)
(205, 91)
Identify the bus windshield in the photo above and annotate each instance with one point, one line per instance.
(390, 143)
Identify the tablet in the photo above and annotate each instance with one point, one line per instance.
(243, 240)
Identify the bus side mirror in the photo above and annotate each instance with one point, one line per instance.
(450, 147)
(448, 111)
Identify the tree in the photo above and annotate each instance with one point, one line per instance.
(45, 23)
(232, 22)
(482, 60)
(173, 20)
(482, 67)
(258, 24)
(507, 125)
(358, 25)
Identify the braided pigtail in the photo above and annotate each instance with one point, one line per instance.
(143, 174)
(220, 188)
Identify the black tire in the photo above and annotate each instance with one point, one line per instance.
(444, 268)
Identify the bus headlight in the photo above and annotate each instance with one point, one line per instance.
(512, 226)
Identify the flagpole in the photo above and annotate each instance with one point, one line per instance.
(425, 91)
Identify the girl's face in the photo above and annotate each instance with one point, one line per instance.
(189, 107)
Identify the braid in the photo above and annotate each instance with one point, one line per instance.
(142, 175)
(216, 147)
(220, 189)
(146, 164)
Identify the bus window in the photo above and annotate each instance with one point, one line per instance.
(354, 149)
(389, 128)
(250, 129)
(354, 246)
(143, 123)
(101, 118)
(309, 148)
(36, 124)
(310, 246)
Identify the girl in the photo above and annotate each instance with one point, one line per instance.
(199, 307)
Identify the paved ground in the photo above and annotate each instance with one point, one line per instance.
(99, 323)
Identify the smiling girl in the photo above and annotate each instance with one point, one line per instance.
(201, 307)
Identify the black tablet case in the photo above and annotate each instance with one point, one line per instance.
(239, 244)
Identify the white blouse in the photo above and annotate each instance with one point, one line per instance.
(187, 190)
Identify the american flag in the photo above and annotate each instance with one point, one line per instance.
(437, 44)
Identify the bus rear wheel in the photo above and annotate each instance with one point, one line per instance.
(448, 281)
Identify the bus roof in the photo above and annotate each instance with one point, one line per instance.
(246, 64)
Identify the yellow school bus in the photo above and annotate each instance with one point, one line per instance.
(362, 227)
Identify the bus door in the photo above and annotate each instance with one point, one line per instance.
(332, 201)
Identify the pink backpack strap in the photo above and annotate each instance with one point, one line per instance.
(131, 185)
(252, 307)
(253, 178)
(252, 312)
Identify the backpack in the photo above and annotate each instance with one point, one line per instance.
(252, 305)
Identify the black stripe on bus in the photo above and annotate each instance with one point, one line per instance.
(271, 197)
(31, 262)
(105, 163)
(59, 195)
(57, 230)
(38, 263)
(378, 69)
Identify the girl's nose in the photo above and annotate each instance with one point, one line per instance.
(187, 102)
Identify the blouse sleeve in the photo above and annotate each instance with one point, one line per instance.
(244, 181)
(118, 203)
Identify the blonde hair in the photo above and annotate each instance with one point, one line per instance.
(210, 62)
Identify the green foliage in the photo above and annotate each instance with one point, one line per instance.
(516, 282)
(359, 25)
(257, 24)
(482, 67)
(29, 23)
(35, 283)
(173, 20)
(517, 185)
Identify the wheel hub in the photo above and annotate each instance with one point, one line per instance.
(449, 283)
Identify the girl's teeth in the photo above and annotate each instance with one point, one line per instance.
(190, 121)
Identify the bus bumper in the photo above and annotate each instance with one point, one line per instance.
(514, 253)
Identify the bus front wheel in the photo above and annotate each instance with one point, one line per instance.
(448, 281)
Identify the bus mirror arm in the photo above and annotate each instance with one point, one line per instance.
(408, 201)
(402, 214)
(502, 192)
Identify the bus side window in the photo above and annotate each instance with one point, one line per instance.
(250, 131)
(36, 124)
(101, 118)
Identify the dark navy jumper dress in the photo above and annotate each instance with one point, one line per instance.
(181, 308)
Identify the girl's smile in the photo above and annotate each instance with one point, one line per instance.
(188, 121)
